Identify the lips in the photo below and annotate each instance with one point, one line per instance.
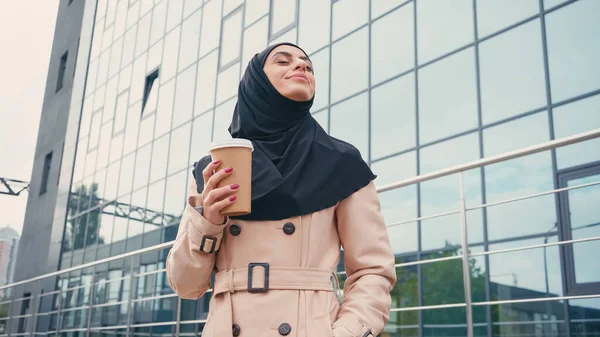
(299, 76)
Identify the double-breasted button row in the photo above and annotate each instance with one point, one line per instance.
(289, 229)
(284, 329)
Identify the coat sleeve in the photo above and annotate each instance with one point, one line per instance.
(191, 260)
(370, 265)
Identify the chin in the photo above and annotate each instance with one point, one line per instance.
(299, 96)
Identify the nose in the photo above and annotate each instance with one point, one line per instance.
(300, 65)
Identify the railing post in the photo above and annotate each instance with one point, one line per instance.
(130, 299)
(35, 304)
(9, 316)
(465, 257)
(58, 306)
(91, 305)
(178, 315)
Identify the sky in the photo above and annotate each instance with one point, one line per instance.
(26, 34)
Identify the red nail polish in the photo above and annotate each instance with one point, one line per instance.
(232, 198)
(228, 170)
(216, 162)
(234, 186)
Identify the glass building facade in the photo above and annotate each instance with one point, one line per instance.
(417, 86)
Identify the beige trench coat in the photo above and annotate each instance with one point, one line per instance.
(300, 255)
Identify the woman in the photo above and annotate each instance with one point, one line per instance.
(311, 194)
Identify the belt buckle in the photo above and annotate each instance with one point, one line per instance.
(263, 289)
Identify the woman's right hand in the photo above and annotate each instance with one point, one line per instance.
(214, 199)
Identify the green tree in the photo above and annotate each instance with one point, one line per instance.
(76, 236)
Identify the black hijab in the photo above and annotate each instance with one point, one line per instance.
(297, 168)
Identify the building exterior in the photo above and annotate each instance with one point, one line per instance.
(417, 86)
(9, 243)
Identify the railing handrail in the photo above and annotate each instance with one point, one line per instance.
(580, 137)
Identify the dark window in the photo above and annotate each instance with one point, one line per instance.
(47, 164)
(61, 71)
(148, 87)
(24, 309)
(70, 2)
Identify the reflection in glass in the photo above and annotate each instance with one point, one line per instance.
(443, 26)
(232, 33)
(350, 122)
(584, 220)
(350, 65)
(405, 295)
(168, 67)
(112, 179)
(104, 144)
(493, 15)
(320, 63)
(283, 14)
(184, 96)
(575, 118)
(179, 148)
(443, 284)
(126, 175)
(227, 83)
(119, 231)
(512, 73)
(447, 97)
(206, 83)
(188, 47)
(211, 27)
(390, 59)
(314, 25)
(574, 49)
(349, 15)
(584, 315)
(142, 166)
(529, 319)
(156, 192)
(255, 9)
(400, 205)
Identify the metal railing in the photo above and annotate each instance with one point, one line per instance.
(30, 320)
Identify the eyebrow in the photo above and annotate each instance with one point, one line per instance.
(285, 53)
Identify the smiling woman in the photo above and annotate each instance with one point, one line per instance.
(311, 194)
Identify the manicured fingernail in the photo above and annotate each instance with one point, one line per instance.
(228, 170)
(216, 162)
(232, 198)
(234, 186)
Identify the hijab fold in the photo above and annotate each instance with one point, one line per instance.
(297, 168)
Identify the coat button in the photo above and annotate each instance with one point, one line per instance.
(285, 329)
(235, 229)
(289, 228)
(236, 330)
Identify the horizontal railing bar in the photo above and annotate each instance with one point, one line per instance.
(540, 299)
(430, 307)
(99, 328)
(20, 334)
(581, 137)
(50, 293)
(143, 299)
(146, 325)
(109, 304)
(20, 316)
(198, 321)
(104, 281)
(73, 330)
(439, 215)
(415, 263)
(74, 309)
(5, 302)
(541, 245)
(558, 190)
(76, 288)
(150, 272)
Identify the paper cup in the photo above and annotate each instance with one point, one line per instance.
(235, 153)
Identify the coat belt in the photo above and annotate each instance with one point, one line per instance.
(265, 278)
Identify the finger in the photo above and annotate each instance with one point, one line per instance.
(208, 170)
(220, 193)
(214, 180)
(224, 203)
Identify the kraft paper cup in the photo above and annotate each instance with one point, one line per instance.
(235, 153)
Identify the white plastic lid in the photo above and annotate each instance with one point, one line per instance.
(234, 142)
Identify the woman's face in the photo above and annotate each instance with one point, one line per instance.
(291, 73)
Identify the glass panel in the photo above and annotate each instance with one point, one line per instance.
(314, 25)
(121, 112)
(443, 26)
(112, 179)
(585, 315)
(201, 136)
(132, 128)
(230, 5)
(227, 83)
(393, 116)
(188, 48)
(380, 7)
(211, 24)
(574, 49)
(142, 167)
(164, 110)
(120, 20)
(143, 35)
(125, 180)
(350, 122)
(289, 36)
(349, 15)
(449, 153)
(128, 46)
(119, 232)
(116, 148)
(232, 34)
(180, 148)
(512, 73)
(350, 53)
(572, 119)
(174, 13)
(159, 21)
(390, 59)
(175, 193)
(160, 151)
(154, 57)
(115, 58)
(206, 83)
(255, 40)
(443, 284)
(584, 218)
(222, 120)
(447, 97)
(184, 96)
(322, 117)
(138, 80)
(191, 6)
(125, 78)
(110, 100)
(529, 319)
(320, 63)
(255, 9)
(283, 14)
(146, 130)
(103, 147)
(493, 15)
(551, 3)
(169, 61)
(134, 13)
(156, 191)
